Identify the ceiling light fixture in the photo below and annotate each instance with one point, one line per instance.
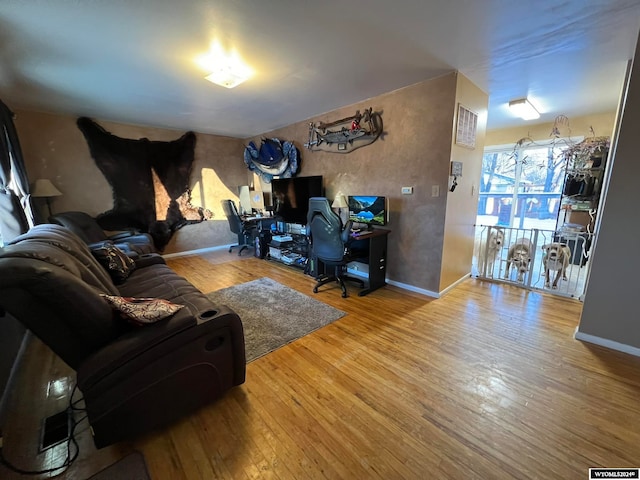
(226, 76)
(227, 70)
(523, 109)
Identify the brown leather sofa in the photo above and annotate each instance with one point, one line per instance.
(133, 378)
(88, 229)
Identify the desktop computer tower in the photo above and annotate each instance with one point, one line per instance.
(261, 244)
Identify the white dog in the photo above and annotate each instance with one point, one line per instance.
(489, 250)
(520, 257)
(556, 257)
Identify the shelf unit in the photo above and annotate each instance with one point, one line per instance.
(584, 176)
(294, 252)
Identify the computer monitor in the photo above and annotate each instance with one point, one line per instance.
(367, 209)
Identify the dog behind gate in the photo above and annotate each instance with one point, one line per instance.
(520, 257)
(489, 251)
(556, 258)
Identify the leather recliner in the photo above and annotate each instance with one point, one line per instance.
(88, 229)
(133, 378)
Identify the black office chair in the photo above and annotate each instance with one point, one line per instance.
(244, 230)
(329, 244)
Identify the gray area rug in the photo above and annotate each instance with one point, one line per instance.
(131, 467)
(273, 314)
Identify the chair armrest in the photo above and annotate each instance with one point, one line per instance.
(346, 231)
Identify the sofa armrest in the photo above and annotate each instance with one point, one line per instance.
(123, 235)
(142, 345)
(124, 247)
(149, 379)
(146, 259)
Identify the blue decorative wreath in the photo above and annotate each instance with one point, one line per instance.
(274, 158)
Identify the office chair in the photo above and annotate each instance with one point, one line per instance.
(329, 239)
(244, 230)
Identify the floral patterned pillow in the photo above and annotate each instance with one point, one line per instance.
(117, 263)
(142, 311)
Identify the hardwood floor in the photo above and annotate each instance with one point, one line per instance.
(486, 382)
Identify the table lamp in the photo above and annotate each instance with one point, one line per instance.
(43, 188)
(340, 202)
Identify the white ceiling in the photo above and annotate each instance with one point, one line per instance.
(133, 61)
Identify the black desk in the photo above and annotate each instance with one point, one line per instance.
(372, 244)
(259, 226)
(261, 222)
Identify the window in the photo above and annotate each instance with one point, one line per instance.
(521, 186)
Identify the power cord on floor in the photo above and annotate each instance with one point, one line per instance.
(71, 440)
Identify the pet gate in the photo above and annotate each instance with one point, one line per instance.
(522, 257)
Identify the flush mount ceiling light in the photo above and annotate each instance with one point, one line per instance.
(227, 77)
(227, 69)
(523, 109)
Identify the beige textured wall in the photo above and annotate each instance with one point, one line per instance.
(462, 203)
(54, 148)
(414, 150)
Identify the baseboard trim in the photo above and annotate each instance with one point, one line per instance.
(604, 342)
(454, 284)
(404, 286)
(411, 288)
(197, 251)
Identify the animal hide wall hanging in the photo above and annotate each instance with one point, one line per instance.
(149, 181)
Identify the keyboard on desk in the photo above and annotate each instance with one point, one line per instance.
(359, 233)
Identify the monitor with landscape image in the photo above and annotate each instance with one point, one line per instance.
(367, 209)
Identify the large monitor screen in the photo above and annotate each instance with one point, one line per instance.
(290, 197)
(368, 209)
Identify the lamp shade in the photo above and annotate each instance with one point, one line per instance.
(340, 201)
(44, 188)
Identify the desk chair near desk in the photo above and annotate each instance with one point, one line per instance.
(329, 244)
(246, 231)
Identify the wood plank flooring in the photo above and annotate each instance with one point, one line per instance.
(486, 382)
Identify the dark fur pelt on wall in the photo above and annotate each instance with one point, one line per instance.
(158, 204)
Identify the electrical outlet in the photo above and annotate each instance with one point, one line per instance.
(407, 190)
(435, 190)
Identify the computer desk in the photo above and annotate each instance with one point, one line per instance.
(371, 248)
(373, 245)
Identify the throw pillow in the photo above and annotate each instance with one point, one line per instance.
(117, 263)
(142, 311)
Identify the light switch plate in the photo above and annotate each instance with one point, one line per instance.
(435, 190)
(407, 190)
